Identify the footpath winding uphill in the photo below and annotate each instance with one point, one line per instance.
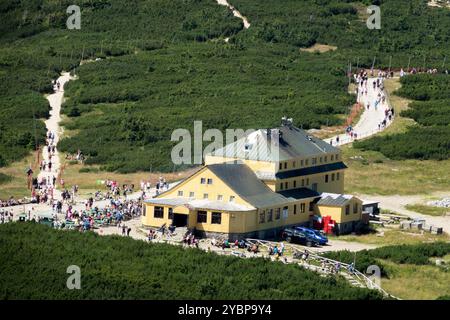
(235, 12)
(52, 124)
(370, 118)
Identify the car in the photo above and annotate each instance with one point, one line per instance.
(294, 235)
(319, 237)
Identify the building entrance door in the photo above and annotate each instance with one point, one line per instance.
(180, 220)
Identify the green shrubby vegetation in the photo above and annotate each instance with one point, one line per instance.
(165, 65)
(417, 254)
(430, 139)
(35, 258)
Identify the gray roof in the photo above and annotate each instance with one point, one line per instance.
(333, 199)
(169, 201)
(311, 170)
(300, 193)
(239, 177)
(292, 143)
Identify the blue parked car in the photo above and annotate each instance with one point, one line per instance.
(318, 236)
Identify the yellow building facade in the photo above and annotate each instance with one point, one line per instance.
(255, 194)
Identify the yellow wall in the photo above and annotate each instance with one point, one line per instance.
(296, 163)
(233, 222)
(336, 186)
(338, 213)
(147, 219)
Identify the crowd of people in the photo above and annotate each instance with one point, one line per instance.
(6, 216)
(162, 185)
(115, 190)
(13, 202)
(114, 213)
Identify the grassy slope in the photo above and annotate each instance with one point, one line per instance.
(416, 282)
(428, 210)
(401, 177)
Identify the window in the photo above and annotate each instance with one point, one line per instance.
(171, 213)
(216, 218)
(205, 196)
(326, 178)
(281, 166)
(286, 185)
(306, 162)
(158, 212)
(314, 161)
(325, 159)
(314, 186)
(270, 215)
(202, 216)
(321, 159)
(231, 198)
(303, 182)
(332, 157)
(311, 206)
(337, 176)
(285, 212)
(281, 186)
(301, 163)
(295, 183)
(355, 208)
(347, 209)
(302, 208)
(293, 164)
(332, 176)
(337, 157)
(285, 165)
(180, 193)
(202, 181)
(307, 181)
(220, 197)
(191, 194)
(295, 209)
(209, 181)
(278, 214)
(262, 217)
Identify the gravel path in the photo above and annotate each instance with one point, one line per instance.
(369, 120)
(235, 12)
(52, 124)
(397, 203)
